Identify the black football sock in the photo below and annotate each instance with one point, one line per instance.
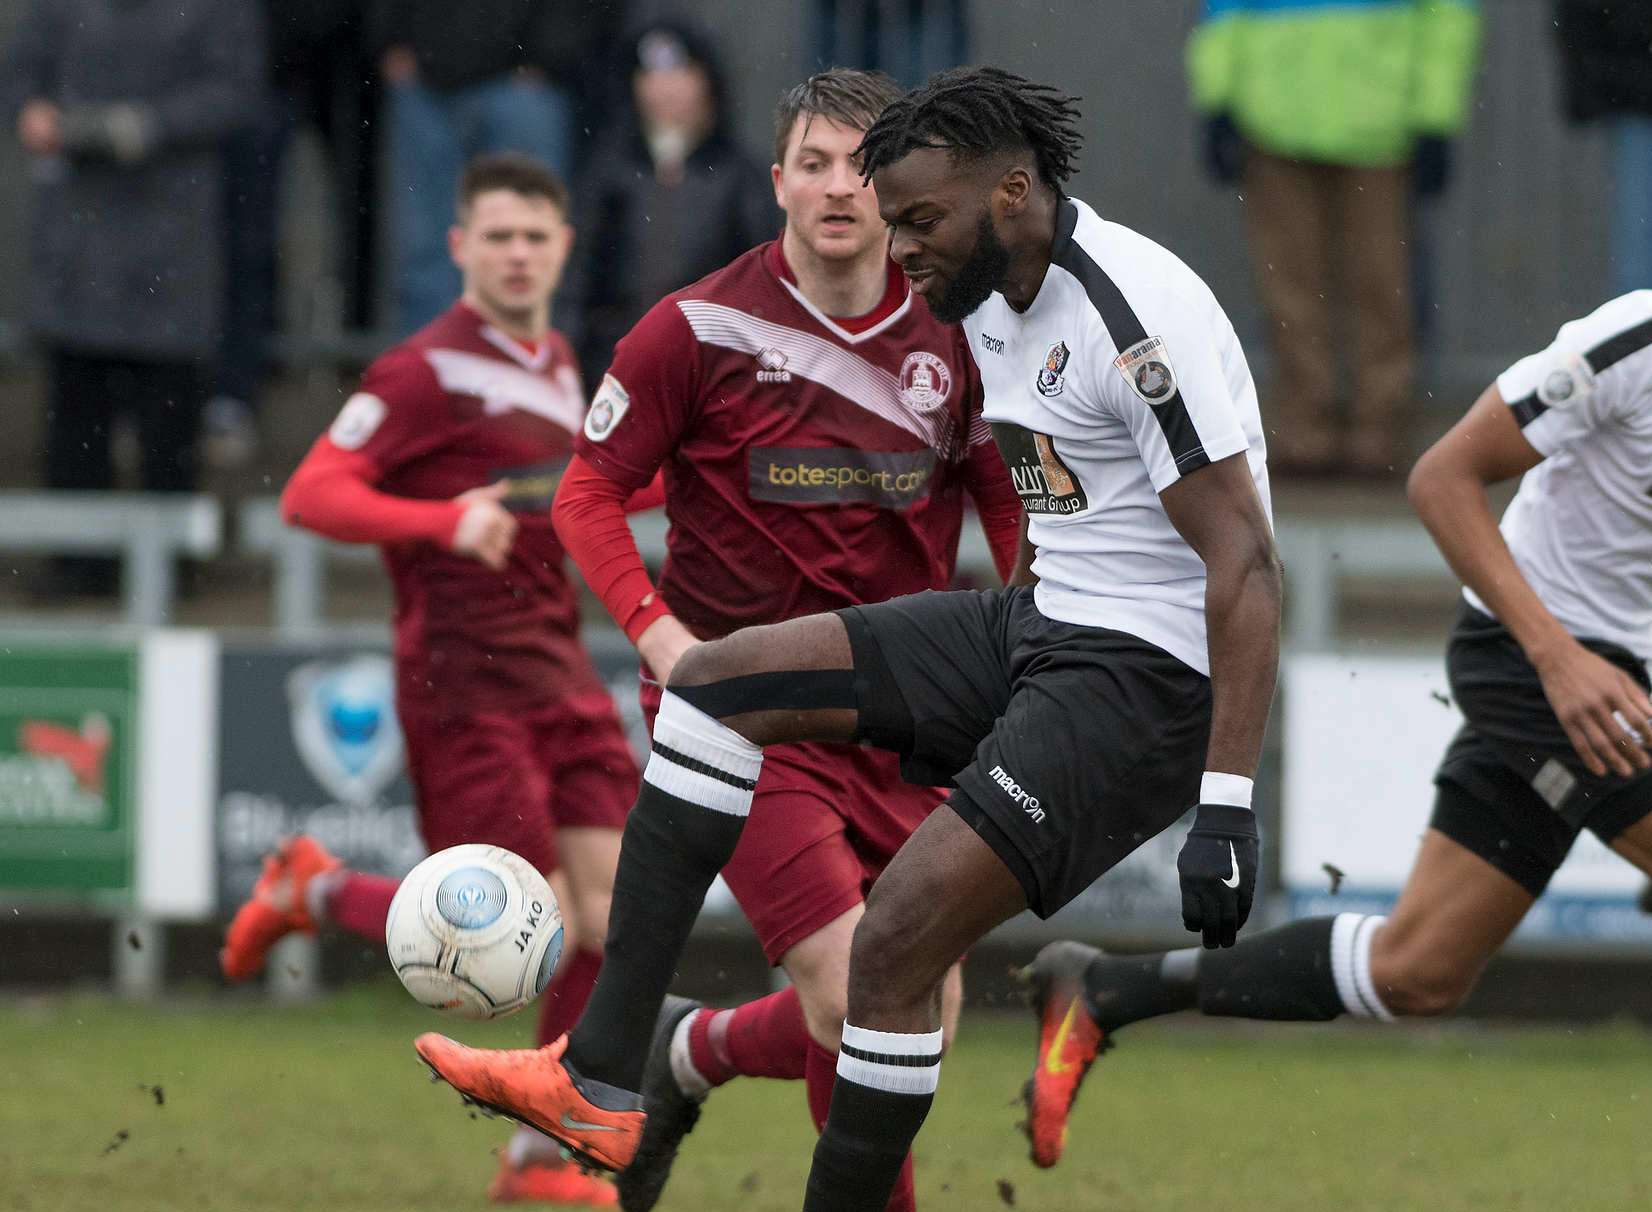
(1123, 989)
(695, 796)
(1308, 971)
(885, 1084)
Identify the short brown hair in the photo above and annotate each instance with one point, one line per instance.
(513, 171)
(846, 95)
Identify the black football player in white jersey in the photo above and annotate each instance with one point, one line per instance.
(1075, 717)
(1548, 663)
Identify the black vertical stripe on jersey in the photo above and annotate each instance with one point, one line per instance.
(1616, 349)
(1527, 409)
(1126, 329)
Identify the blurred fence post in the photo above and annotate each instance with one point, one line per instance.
(139, 966)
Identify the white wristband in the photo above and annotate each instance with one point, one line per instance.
(1218, 788)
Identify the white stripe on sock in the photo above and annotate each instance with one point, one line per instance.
(693, 733)
(699, 789)
(696, 737)
(1362, 968)
(883, 1075)
(689, 1079)
(1351, 935)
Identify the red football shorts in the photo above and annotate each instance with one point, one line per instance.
(825, 821)
(511, 778)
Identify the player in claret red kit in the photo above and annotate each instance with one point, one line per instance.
(448, 457)
(819, 431)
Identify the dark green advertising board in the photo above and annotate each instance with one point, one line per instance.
(68, 735)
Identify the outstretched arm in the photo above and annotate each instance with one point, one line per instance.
(1448, 490)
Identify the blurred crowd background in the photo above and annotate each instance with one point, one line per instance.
(214, 212)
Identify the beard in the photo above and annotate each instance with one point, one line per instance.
(978, 277)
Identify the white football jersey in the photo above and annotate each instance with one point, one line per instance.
(1580, 527)
(1123, 376)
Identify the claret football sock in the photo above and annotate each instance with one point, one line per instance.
(886, 1082)
(353, 901)
(764, 1038)
(696, 794)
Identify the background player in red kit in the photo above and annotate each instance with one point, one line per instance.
(447, 456)
(818, 431)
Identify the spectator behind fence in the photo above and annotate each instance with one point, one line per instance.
(464, 79)
(666, 198)
(1606, 65)
(1334, 115)
(315, 50)
(123, 106)
(911, 40)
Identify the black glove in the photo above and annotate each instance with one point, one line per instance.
(1217, 867)
(1430, 165)
(1224, 149)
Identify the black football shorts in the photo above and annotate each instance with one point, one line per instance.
(1511, 787)
(1067, 746)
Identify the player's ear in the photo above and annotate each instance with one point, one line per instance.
(774, 178)
(1013, 190)
(455, 244)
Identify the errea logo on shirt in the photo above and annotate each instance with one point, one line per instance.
(771, 366)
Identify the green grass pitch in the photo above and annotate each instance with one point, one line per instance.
(324, 1106)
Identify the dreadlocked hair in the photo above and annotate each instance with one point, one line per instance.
(974, 112)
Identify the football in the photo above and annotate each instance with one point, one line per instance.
(475, 931)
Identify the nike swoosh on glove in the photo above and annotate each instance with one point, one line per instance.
(1217, 867)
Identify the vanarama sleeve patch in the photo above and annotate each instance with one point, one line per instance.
(608, 408)
(357, 421)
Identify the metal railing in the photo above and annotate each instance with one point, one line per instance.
(146, 531)
(1321, 556)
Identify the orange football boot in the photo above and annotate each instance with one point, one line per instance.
(276, 907)
(562, 1182)
(1069, 1041)
(534, 1087)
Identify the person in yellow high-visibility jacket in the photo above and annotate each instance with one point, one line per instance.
(1332, 114)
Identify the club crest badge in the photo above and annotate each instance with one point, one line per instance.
(925, 381)
(1146, 368)
(344, 725)
(1052, 380)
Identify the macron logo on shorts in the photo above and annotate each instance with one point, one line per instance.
(1013, 789)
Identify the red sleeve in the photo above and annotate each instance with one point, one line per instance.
(646, 400)
(589, 516)
(988, 483)
(398, 414)
(644, 499)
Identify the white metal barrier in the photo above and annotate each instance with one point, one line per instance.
(147, 531)
(1319, 554)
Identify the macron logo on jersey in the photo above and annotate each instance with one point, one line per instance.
(1013, 789)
